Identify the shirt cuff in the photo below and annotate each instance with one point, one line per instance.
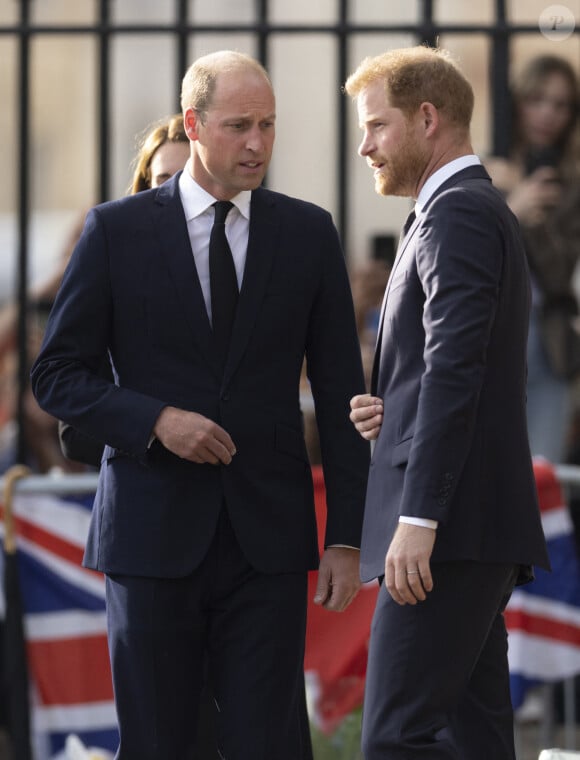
(343, 546)
(422, 522)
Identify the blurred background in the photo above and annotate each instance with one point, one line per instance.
(81, 82)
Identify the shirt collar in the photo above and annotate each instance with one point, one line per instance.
(196, 200)
(442, 175)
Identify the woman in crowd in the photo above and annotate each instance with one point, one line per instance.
(541, 182)
(163, 151)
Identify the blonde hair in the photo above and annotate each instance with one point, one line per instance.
(417, 75)
(200, 79)
(169, 130)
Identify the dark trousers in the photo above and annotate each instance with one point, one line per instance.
(437, 684)
(248, 626)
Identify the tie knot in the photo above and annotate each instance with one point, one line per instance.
(222, 209)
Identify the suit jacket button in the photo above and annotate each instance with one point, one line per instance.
(225, 397)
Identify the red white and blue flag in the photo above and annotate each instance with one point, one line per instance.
(543, 617)
(65, 626)
(64, 607)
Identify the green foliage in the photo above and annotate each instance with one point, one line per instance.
(343, 744)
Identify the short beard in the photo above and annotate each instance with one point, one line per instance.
(401, 175)
(389, 185)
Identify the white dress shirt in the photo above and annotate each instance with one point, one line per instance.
(433, 183)
(199, 214)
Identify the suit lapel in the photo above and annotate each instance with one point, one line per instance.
(264, 226)
(403, 243)
(471, 172)
(175, 249)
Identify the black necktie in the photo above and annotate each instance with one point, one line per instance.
(223, 281)
(408, 222)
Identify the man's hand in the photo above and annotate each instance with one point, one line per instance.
(194, 437)
(338, 578)
(367, 415)
(407, 571)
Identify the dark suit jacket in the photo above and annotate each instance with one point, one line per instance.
(451, 368)
(132, 289)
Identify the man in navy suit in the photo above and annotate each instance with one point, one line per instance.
(451, 518)
(204, 517)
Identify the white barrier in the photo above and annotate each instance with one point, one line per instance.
(55, 483)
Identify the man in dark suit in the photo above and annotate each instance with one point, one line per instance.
(451, 517)
(204, 517)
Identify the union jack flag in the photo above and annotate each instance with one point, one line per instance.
(65, 626)
(543, 617)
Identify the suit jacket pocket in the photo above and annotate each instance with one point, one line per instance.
(401, 452)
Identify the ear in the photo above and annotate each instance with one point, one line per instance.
(429, 118)
(190, 123)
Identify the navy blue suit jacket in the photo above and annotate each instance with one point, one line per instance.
(132, 289)
(451, 369)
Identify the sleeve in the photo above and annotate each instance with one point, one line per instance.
(459, 263)
(79, 447)
(66, 376)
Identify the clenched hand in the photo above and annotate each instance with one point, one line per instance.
(194, 437)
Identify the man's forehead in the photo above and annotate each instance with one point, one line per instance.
(373, 100)
(241, 110)
(232, 79)
(242, 93)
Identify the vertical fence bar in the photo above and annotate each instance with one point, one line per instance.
(263, 31)
(500, 95)
(104, 102)
(342, 141)
(428, 34)
(182, 55)
(262, 43)
(23, 221)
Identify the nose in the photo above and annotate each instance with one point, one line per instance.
(255, 139)
(366, 147)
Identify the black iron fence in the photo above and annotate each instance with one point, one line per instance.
(184, 28)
